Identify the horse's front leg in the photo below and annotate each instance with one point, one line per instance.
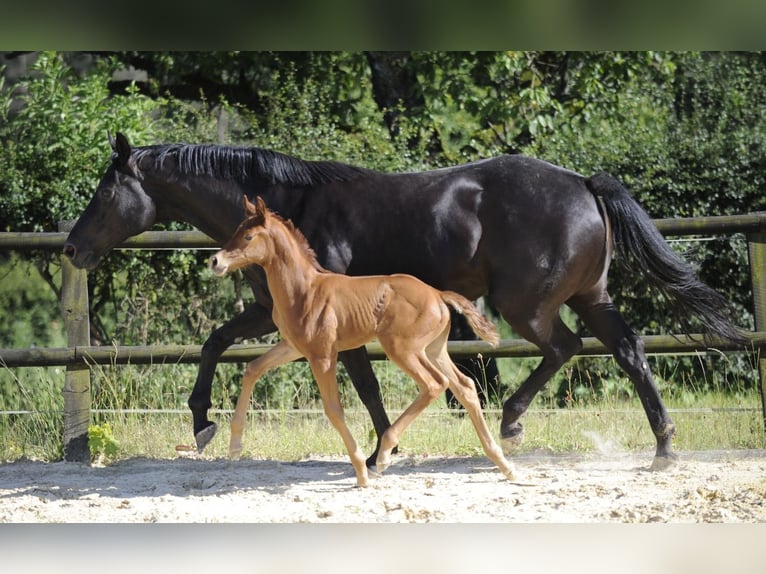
(254, 321)
(280, 354)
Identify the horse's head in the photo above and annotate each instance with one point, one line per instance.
(119, 209)
(249, 244)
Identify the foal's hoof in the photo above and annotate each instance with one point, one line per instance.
(511, 439)
(664, 462)
(205, 436)
(510, 474)
(373, 458)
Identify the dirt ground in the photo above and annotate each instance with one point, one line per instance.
(717, 487)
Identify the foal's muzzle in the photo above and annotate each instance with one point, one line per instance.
(216, 267)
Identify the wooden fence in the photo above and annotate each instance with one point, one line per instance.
(79, 355)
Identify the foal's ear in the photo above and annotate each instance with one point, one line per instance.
(260, 205)
(250, 209)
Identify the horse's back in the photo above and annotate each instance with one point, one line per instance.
(511, 222)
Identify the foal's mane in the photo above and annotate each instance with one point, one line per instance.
(296, 233)
(243, 163)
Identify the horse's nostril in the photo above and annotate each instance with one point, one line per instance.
(70, 250)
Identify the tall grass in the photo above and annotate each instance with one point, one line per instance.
(720, 415)
(32, 423)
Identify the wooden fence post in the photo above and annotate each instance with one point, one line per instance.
(756, 243)
(74, 309)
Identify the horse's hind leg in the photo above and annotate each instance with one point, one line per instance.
(557, 344)
(279, 355)
(605, 322)
(324, 373)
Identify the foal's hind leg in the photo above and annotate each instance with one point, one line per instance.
(431, 383)
(324, 373)
(465, 392)
(280, 354)
(606, 323)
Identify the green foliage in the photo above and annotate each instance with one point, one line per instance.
(299, 119)
(31, 315)
(102, 443)
(498, 102)
(52, 149)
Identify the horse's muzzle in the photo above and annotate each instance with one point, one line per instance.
(80, 259)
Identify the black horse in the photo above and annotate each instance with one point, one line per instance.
(527, 234)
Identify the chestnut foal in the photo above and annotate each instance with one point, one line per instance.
(319, 313)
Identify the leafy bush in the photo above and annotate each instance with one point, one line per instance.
(102, 443)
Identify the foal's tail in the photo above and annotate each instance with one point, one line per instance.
(482, 326)
(640, 242)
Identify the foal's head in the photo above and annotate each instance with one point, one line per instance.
(249, 244)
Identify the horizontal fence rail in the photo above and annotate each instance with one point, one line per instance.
(79, 356)
(54, 240)
(240, 353)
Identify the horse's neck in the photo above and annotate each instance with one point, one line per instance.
(212, 209)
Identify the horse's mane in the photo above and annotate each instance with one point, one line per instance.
(243, 163)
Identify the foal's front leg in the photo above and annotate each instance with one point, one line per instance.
(324, 373)
(280, 354)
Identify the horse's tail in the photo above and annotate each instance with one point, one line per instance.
(639, 241)
(482, 326)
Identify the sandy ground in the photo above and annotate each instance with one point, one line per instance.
(717, 487)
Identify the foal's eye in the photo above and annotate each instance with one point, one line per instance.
(248, 237)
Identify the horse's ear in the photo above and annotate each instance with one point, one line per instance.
(112, 143)
(122, 148)
(250, 209)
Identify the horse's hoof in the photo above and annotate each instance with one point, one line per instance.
(205, 436)
(511, 440)
(665, 462)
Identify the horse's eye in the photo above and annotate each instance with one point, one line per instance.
(107, 193)
(248, 237)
